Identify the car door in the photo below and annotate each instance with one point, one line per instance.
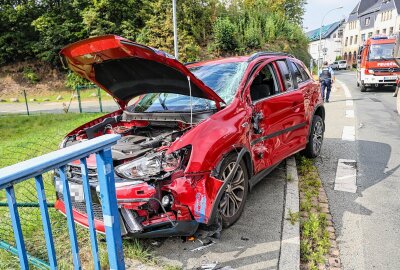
(294, 126)
(269, 112)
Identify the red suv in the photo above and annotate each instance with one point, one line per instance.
(196, 138)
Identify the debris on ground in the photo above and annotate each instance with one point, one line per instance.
(204, 244)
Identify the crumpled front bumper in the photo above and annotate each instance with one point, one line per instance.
(157, 228)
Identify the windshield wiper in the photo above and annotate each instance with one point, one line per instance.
(162, 101)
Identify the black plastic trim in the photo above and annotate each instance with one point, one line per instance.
(269, 136)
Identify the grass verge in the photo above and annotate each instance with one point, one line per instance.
(25, 137)
(314, 236)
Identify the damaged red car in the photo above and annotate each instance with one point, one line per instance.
(196, 138)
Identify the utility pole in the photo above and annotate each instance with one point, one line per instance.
(320, 36)
(175, 29)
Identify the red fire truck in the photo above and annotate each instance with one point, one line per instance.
(376, 66)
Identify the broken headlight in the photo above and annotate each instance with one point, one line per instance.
(154, 164)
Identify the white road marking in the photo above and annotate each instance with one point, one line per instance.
(349, 133)
(346, 90)
(350, 113)
(349, 102)
(346, 175)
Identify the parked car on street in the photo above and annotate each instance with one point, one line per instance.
(338, 65)
(196, 138)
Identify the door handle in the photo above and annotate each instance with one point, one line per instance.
(256, 122)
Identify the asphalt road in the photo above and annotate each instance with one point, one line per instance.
(367, 222)
(251, 243)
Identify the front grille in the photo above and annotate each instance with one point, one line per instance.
(386, 70)
(74, 173)
(81, 207)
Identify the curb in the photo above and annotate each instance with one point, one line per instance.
(289, 258)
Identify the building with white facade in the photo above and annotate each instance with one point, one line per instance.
(330, 45)
(369, 18)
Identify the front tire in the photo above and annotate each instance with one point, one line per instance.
(315, 138)
(233, 200)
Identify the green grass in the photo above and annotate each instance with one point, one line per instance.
(25, 137)
(314, 242)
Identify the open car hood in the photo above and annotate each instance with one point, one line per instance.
(126, 69)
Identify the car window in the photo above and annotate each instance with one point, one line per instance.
(303, 72)
(285, 73)
(264, 84)
(297, 75)
(342, 62)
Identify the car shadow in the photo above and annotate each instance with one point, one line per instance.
(252, 242)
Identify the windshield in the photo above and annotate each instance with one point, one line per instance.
(381, 51)
(224, 79)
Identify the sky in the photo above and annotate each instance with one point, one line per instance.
(316, 9)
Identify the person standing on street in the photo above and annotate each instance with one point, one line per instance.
(326, 78)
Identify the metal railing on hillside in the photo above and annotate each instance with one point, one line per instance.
(57, 160)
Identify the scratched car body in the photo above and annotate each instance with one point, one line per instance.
(196, 138)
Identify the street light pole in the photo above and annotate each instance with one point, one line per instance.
(175, 28)
(320, 36)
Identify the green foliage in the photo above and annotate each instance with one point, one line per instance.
(206, 28)
(30, 75)
(225, 34)
(73, 81)
(339, 57)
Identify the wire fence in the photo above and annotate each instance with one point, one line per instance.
(81, 99)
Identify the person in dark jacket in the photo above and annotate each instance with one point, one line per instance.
(326, 78)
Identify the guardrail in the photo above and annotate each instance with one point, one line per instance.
(57, 160)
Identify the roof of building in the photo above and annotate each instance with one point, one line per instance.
(326, 31)
(365, 7)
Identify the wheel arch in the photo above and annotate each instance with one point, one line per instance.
(236, 150)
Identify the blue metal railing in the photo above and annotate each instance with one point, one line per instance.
(101, 146)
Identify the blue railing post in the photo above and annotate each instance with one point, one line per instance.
(110, 210)
(19, 238)
(89, 211)
(70, 219)
(44, 212)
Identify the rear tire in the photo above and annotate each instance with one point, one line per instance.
(363, 88)
(233, 200)
(315, 138)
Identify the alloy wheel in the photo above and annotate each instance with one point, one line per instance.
(318, 136)
(234, 193)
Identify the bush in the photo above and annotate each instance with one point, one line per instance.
(73, 80)
(225, 35)
(30, 75)
(252, 36)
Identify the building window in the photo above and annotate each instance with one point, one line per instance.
(391, 31)
(367, 21)
(355, 39)
(370, 34)
(363, 37)
(347, 39)
(334, 35)
(384, 31)
(377, 32)
(351, 40)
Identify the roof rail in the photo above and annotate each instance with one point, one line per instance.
(259, 54)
